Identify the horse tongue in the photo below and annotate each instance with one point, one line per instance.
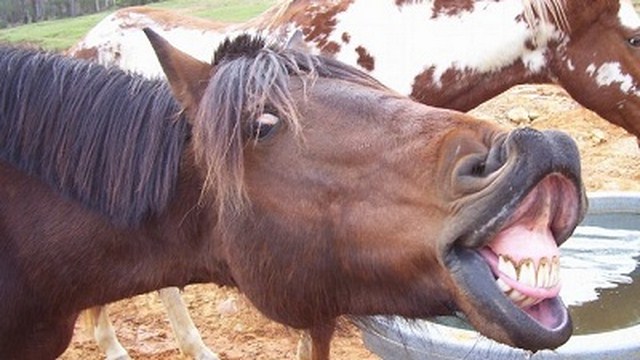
(523, 241)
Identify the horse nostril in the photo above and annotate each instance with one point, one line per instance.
(485, 165)
(495, 159)
(475, 171)
(478, 169)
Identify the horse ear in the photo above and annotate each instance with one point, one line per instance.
(296, 42)
(187, 76)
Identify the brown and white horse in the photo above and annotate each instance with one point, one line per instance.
(307, 184)
(447, 53)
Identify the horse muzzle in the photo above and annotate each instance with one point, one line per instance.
(504, 258)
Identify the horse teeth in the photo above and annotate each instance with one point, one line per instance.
(544, 274)
(554, 272)
(527, 274)
(521, 300)
(506, 266)
(503, 285)
(516, 296)
(528, 301)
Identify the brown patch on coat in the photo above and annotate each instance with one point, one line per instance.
(451, 7)
(346, 37)
(330, 48)
(407, 2)
(89, 53)
(443, 7)
(365, 60)
(318, 23)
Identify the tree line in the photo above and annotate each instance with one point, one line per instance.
(18, 12)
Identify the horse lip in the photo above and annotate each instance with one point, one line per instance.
(483, 230)
(479, 233)
(475, 279)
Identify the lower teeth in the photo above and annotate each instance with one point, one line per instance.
(523, 301)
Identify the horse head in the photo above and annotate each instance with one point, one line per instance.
(336, 195)
(598, 60)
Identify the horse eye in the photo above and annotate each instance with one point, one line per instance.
(634, 41)
(264, 126)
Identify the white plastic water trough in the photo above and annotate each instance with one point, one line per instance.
(600, 272)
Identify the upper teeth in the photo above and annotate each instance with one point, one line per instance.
(546, 276)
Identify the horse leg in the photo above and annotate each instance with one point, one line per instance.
(304, 346)
(104, 334)
(315, 343)
(187, 335)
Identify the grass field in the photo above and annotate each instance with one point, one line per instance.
(61, 34)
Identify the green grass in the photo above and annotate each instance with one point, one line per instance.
(54, 34)
(61, 34)
(223, 10)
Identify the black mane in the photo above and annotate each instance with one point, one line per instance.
(242, 45)
(103, 137)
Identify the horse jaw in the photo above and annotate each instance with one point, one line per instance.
(486, 307)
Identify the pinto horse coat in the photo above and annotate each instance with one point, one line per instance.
(453, 54)
(310, 186)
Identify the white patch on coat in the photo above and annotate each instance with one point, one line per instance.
(610, 73)
(121, 42)
(628, 15)
(405, 41)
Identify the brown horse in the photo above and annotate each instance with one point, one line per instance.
(454, 54)
(446, 53)
(310, 186)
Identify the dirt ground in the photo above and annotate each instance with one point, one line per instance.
(230, 326)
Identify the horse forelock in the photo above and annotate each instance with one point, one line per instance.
(245, 85)
(102, 137)
(240, 89)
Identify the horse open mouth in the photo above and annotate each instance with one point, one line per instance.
(524, 256)
(529, 284)
(513, 279)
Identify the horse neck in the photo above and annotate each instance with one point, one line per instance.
(175, 248)
(463, 90)
(189, 225)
